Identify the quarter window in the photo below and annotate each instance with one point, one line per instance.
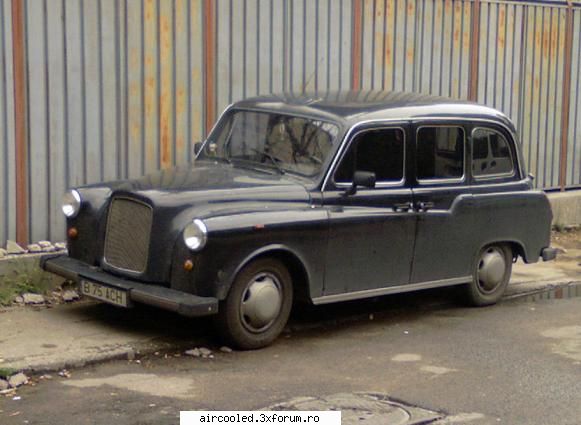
(377, 151)
(490, 153)
(440, 153)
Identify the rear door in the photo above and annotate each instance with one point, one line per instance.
(372, 231)
(441, 197)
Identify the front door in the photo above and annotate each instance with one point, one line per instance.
(371, 235)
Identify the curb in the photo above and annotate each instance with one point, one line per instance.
(539, 287)
(26, 262)
(103, 355)
(10, 263)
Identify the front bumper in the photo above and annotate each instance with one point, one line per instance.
(154, 295)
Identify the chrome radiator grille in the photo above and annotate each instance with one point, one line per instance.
(127, 238)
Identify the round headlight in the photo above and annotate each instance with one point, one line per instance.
(196, 235)
(71, 203)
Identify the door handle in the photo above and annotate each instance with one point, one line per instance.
(403, 207)
(424, 206)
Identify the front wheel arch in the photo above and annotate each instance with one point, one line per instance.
(292, 261)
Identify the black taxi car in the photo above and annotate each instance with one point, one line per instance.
(322, 198)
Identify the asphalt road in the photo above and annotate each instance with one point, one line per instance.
(515, 363)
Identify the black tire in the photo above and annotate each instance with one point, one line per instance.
(257, 307)
(490, 276)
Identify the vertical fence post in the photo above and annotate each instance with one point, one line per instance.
(474, 50)
(566, 95)
(356, 39)
(209, 64)
(19, 69)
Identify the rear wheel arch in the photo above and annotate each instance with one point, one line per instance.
(518, 250)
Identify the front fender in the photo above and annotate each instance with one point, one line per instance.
(235, 240)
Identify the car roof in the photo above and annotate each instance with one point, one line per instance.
(352, 107)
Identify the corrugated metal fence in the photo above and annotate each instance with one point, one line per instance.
(115, 89)
(7, 156)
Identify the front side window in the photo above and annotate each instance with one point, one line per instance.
(490, 154)
(285, 142)
(440, 153)
(378, 151)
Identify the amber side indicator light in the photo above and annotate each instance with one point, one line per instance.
(73, 232)
(188, 265)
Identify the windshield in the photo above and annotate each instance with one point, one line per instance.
(284, 142)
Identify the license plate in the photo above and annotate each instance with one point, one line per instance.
(104, 293)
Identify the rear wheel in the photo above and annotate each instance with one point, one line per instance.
(257, 306)
(490, 275)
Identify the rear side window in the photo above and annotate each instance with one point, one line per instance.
(491, 154)
(379, 151)
(440, 153)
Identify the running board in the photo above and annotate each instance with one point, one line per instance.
(369, 293)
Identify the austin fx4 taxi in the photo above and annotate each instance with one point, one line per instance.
(314, 198)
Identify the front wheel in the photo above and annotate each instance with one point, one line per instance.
(490, 275)
(258, 305)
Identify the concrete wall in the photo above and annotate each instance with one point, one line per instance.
(566, 207)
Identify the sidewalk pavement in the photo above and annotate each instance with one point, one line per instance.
(40, 339)
(534, 277)
(50, 339)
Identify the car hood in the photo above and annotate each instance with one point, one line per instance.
(177, 196)
(209, 186)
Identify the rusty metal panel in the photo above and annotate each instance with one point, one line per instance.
(114, 91)
(457, 73)
(521, 61)
(110, 84)
(574, 139)
(74, 162)
(179, 32)
(424, 45)
(195, 83)
(223, 51)
(268, 46)
(38, 120)
(55, 104)
(152, 82)
(417, 45)
(7, 152)
(116, 88)
(135, 82)
(297, 45)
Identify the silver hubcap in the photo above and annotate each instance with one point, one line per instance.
(261, 302)
(491, 269)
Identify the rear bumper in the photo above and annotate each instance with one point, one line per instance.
(154, 295)
(548, 254)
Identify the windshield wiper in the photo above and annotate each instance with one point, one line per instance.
(272, 158)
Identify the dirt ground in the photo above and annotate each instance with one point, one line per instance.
(568, 239)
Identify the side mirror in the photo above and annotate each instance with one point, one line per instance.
(198, 147)
(363, 179)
